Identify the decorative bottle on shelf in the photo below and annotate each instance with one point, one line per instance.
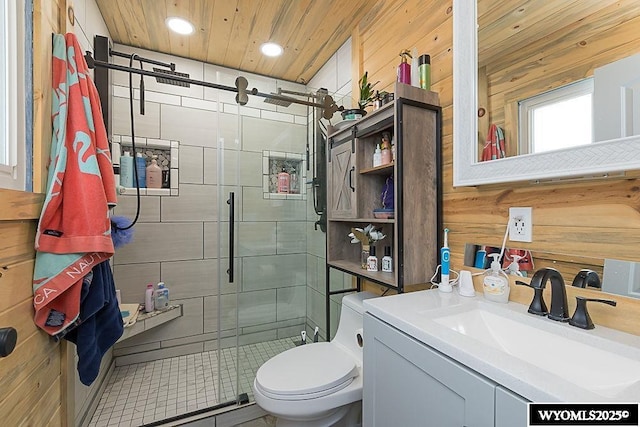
(377, 157)
(364, 256)
(284, 180)
(372, 260)
(154, 174)
(386, 150)
(387, 261)
(404, 69)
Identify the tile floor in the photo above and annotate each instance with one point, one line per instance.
(152, 391)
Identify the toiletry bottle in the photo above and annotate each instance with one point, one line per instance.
(496, 283)
(387, 261)
(514, 267)
(141, 167)
(404, 69)
(148, 299)
(284, 180)
(393, 148)
(154, 174)
(293, 182)
(424, 68)
(372, 260)
(126, 170)
(377, 157)
(385, 157)
(415, 70)
(161, 297)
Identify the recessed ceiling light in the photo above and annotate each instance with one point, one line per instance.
(180, 26)
(271, 49)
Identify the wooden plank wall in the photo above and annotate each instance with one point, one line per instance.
(591, 218)
(31, 376)
(34, 377)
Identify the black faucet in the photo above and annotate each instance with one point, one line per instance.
(581, 317)
(537, 305)
(559, 310)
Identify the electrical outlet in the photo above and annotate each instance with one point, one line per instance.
(520, 226)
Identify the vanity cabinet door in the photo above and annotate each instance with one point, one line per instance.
(511, 408)
(342, 181)
(406, 383)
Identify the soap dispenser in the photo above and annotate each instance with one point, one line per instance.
(377, 156)
(496, 283)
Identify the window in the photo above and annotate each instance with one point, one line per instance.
(561, 118)
(12, 96)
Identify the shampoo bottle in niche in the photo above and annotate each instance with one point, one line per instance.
(149, 305)
(141, 168)
(284, 181)
(161, 297)
(126, 170)
(404, 69)
(496, 283)
(154, 174)
(386, 155)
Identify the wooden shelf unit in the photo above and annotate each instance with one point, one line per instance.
(354, 189)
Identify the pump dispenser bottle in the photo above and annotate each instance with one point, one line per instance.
(496, 283)
(377, 157)
(154, 174)
(404, 69)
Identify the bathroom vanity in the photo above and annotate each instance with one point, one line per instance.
(438, 359)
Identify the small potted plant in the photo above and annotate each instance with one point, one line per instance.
(367, 96)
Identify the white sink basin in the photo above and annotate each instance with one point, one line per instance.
(577, 356)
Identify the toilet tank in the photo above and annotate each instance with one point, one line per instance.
(349, 334)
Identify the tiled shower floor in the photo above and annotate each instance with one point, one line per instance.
(152, 391)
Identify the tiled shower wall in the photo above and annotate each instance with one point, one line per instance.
(177, 239)
(335, 76)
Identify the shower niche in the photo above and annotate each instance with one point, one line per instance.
(166, 153)
(293, 164)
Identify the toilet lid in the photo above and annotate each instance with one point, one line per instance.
(307, 369)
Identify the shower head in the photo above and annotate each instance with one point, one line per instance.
(277, 101)
(170, 81)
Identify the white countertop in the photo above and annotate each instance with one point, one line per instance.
(412, 313)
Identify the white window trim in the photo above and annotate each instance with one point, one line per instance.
(12, 175)
(527, 106)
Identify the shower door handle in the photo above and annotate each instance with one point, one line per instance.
(232, 203)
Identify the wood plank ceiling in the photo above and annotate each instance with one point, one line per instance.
(511, 31)
(230, 32)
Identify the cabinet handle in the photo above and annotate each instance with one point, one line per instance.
(351, 171)
(232, 204)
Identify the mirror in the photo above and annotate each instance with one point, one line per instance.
(598, 159)
(609, 275)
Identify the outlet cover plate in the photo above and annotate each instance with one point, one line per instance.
(521, 225)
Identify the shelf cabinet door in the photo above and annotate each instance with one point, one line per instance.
(406, 383)
(343, 182)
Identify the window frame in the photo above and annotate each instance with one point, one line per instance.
(526, 108)
(13, 173)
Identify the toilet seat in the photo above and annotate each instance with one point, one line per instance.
(306, 372)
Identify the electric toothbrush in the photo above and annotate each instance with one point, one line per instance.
(445, 256)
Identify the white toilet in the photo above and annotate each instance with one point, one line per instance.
(319, 384)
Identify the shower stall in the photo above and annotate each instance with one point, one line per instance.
(244, 261)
